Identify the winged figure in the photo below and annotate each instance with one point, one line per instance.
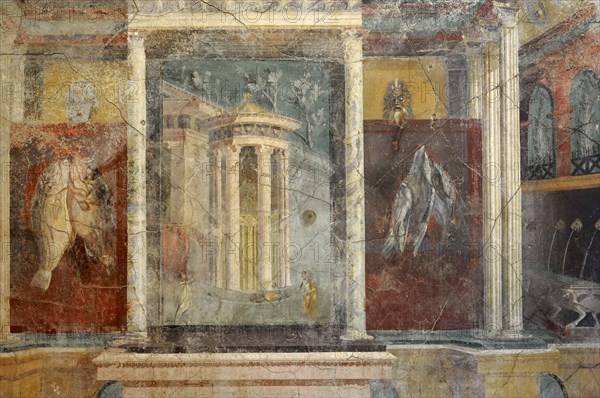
(426, 191)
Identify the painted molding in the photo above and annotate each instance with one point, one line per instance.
(568, 183)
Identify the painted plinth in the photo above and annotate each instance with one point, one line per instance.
(19, 374)
(337, 374)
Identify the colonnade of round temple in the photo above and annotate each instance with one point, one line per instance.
(249, 158)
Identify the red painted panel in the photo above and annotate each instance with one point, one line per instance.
(441, 287)
(82, 296)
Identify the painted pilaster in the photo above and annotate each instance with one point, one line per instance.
(136, 189)
(475, 79)
(492, 197)
(265, 269)
(176, 162)
(457, 91)
(511, 169)
(11, 111)
(355, 188)
(232, 218)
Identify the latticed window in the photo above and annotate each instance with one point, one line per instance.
(541, 158)
(585, 123)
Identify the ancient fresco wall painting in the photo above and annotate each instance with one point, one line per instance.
(560, 261)
(561, 251)
(238, 249)
(423, 192)
(68, 201)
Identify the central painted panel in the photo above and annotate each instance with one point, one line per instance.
(246, 194)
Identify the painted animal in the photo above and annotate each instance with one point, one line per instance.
(582, 303)
(426, 191)
(72, 200)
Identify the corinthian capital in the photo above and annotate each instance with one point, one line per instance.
(507, 13)
(135, 38)
(352, 41)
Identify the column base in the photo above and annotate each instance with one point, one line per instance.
(487, 334)
(9, 338)
(130, 339)
(503, 335)
(515, 335)
(356, 335)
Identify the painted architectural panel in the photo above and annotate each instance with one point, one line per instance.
(247, 188)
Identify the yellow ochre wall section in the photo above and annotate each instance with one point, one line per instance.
(109, 80)
(424, 76)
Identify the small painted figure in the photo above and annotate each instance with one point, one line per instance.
(310, 294)
(184, 302)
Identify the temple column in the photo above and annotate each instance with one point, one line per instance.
(475, 76)
(355, 188)
(217, 277)
(11, 111)
(136, 189)
(265, 269)
(232, 217)
(285, 276)
(511, 170)
(492, 198)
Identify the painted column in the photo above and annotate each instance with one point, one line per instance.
(217, 277)
(492, 198)
(355, 188)
(232, 218)
(511, 170)
(285, 276)
(11, 111)
(265, 269)
(136, 189)
(475, 76)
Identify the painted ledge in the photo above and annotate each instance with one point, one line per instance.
(568, 183)
(209, 21)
